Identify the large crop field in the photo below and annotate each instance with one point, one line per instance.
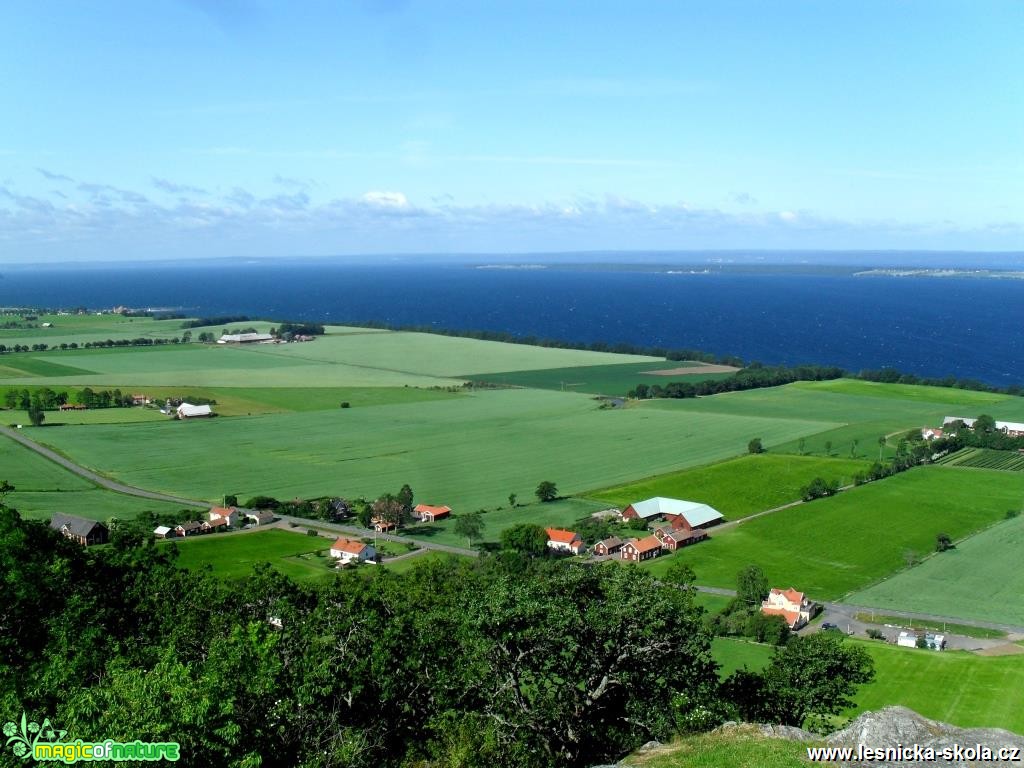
(738, 487)
(865, 411)
(955, 687)
(980, 579)
(611, 380)
(43, 488)
(833, 546)
(985, 458)
(467, 452)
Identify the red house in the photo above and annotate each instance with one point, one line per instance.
(608, 546)
(642, 549)
(428, 514)
(672, 539)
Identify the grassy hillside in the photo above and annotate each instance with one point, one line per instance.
(832, 546)
(955, 687)
(981, 579)
(736, 748)
(234, 555)
(468, 452)
(738, 487)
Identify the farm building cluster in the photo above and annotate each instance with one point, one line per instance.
(219, 519)
(682, 523)
(791, 605)
(1009, 428)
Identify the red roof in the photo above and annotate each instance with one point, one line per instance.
(421, 508)
(562, 536)
(348, 545)
(218, 522)
(647, 543)
(792, 617)
(790, 594)
(222, 511)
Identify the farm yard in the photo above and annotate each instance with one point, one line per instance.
(738, 487)
(980, 579)
(833, 546)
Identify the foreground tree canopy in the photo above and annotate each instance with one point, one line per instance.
(511, 660)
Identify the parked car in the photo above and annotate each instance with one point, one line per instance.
(829, 625)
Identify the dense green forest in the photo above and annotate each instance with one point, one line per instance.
(509, 660)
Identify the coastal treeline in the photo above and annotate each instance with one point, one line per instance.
(507, 660)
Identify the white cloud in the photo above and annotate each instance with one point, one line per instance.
(788, 216)
(386, 199)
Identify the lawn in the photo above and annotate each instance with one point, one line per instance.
(233, 555)
(955, 687)
(980, 579)
(738, 487)
(612, 380)
(831, 547)
(468, 452)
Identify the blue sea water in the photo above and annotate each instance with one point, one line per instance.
(964, 327)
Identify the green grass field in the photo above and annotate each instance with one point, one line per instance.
(233, 555)
(746, 748)
(955, 687)
(611, 380)
(830, 547)
(980, 579)
(343, 358)
(55, 419)
(43, 488)
(864, 411)
(468, 452)
(738, 487)
(438, 356)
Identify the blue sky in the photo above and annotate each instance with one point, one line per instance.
(218, 129)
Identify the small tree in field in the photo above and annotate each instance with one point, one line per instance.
(547, 491)
(755, 446)
(470, 525)
(943, 542)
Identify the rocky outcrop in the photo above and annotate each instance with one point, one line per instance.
(902, 728)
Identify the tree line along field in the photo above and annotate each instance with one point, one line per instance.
(980, 579)
(833, 546)
(955, 687)
(467, 452)
(611, 380)
(738, 487)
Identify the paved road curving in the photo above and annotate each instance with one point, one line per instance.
(131, 490)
